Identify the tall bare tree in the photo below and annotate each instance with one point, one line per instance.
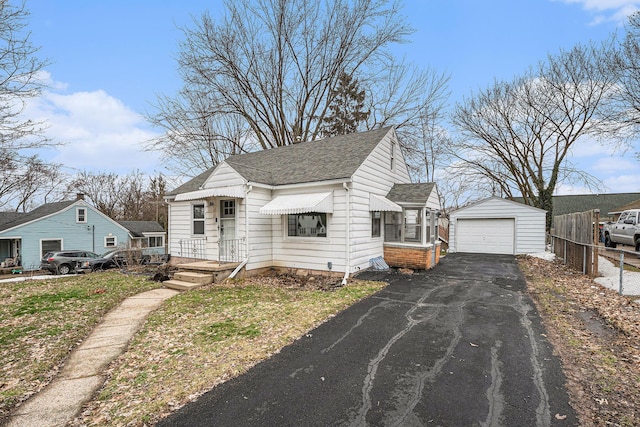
(518, 134)
(274, 65)
(19, 70)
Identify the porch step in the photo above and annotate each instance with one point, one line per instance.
(194, 277)
(180, 285)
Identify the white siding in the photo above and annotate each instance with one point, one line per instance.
(260, 230)
(223, 176)
(180, 227)
(312, 253)
(373, 176)
(529, 223)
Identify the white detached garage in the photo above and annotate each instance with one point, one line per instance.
(497, 226)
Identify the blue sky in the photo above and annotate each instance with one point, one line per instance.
(111, 59)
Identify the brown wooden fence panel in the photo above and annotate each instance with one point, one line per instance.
(575, 240)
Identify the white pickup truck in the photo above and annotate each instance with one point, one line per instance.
(626, 231)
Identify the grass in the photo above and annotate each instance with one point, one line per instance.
(201, 338)
(42, 320)
(195, 341)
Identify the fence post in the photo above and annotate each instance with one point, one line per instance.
(596, 241)
(621, 271)
(584, 260)
(565, 252)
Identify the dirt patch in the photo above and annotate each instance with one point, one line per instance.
(596, 333)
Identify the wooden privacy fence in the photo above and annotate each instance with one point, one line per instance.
(575, 240)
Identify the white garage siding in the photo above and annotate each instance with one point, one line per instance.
(491, 236)
(493, 220)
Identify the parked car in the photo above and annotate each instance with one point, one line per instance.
(65, 262)
(115, 258)
(625, 231)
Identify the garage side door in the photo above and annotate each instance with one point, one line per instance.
(489, 236)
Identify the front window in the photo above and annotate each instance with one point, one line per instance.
(307, 225)
(110, 242)
(81, 215)
(198, 219)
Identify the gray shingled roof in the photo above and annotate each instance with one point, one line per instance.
(411, 193)
(332, 158)
(337, 157)
(39, 212)
(193, 184)
(7, 217)
(138, 228)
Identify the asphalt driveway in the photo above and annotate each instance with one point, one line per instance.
(460, 345)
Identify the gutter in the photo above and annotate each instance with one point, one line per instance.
(348, 234)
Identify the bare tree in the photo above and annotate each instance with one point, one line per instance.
(274, 65)
(195, 138)
(156, 207)
(518, 134)
(424, 138)
(19, 69)
(626, 63)
(103, 189)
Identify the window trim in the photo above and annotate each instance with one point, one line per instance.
(392, 156)
(380, 222)
(60, 239)
(155, 238)
(115, 241)
(85, 212)
(309, 238)
(199, 220)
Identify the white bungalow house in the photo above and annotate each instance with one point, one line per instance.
(337, 205)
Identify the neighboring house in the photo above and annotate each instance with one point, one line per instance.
(497, 226)
(336, 205)
(147, 235)
(67, 225)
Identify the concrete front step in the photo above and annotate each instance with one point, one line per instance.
(180, 285)
(194, 277)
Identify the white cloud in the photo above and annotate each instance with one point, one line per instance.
(629, 183)
(98, 132)
(607, 10)
(609, 165)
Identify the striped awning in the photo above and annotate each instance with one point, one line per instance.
(234, 191)
(382, 204)
(299, 203)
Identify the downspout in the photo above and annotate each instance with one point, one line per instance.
(348, 234)
(246, 232)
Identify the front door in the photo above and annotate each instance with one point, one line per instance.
(227, 229)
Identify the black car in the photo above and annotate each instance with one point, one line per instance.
(65, 262)
(117, 258)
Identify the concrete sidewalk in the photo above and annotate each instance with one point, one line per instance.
(82, 374)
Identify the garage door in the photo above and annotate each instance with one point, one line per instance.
(489, 236)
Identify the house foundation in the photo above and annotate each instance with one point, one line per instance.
(413, 257)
